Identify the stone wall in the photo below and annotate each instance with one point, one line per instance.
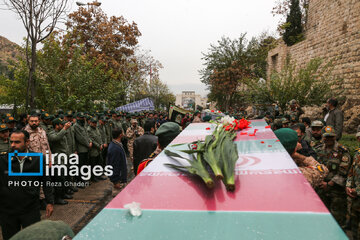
(332, 32)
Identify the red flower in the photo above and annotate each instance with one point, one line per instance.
(212, 111)
(208, 128)
(268, 126)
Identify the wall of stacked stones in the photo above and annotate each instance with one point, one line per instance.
(332, 32)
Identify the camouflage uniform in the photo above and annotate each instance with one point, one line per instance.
(4, 143)
(38, 140)
(313, 142)
(353, 182)
(338, 161)
(132, 134)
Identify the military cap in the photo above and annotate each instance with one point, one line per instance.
(133, 121)
(328, 131)
(80, 114)
(94, 120)
(112, 112)
(45, 230)
(168, 130)
(45, 116)
(61, 116)
(88, 117)
(57, 121)
(35, 112)
(294, 118)
(292, 102)
(69, 114)
(7, 115)
(317, 123)
(207, 118)
(288, 139)
(3, 127)
(10, 119)
(60, 111)
(285, 120)
(103, 118)
(51, 117)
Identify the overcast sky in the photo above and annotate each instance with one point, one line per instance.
(177, 31)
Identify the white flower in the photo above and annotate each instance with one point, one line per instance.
(227, 120)
(134, 208)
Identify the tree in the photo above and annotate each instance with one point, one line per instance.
(311, 85)
(282, 8)
(229, 64)
(293, 26)
(39, 18)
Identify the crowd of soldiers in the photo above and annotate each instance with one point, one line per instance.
(333, 173)
(86, 134)
(328, 166)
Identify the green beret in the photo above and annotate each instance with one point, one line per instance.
(52, 117)
(288, 138)
(3, 127)
(60, 111)
(45, 230)
(57, 121)
(80, 114)
(207, 118)
(112, 112)
(94, 120)
(103, 118)
(168, 130)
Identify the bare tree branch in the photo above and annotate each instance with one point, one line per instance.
(39, 18)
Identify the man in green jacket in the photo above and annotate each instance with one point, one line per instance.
(104, 138)
(58, 145)
(83, 144)
(94, 153)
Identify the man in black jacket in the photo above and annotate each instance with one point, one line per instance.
(19, 195)
(145, 144)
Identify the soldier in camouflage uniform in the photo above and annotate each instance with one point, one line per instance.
(132, 133)
(295, 109)
(38, 139)
(316, 136)
(353, 192)
(338, 160)
(4, 139)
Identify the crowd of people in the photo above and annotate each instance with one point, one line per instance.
(98, 139)
(116, 139)
(330, 168)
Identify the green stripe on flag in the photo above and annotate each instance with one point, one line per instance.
(180, 225)
(259, 146)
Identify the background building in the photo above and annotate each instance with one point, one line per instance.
(189, 99)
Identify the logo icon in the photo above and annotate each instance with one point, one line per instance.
(15, 154)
